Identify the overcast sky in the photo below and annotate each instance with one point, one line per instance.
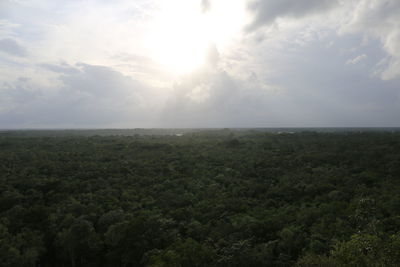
(199, 63)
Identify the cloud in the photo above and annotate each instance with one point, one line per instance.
(7, 27)
(265, 12)
(379, 19)
(212, 97)
(88, 96)
(205, 6)
(62, 68)
(356, 60)
(287, 68)
(12, 47)
(370, 19)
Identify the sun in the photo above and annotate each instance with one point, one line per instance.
(182, 32)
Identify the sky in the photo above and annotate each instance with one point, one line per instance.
(199, 63)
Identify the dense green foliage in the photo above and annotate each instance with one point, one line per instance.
(218, 198)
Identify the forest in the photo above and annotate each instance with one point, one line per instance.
(221, 197)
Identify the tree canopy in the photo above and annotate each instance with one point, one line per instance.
(203, 198)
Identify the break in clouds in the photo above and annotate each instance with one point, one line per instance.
(143, 63)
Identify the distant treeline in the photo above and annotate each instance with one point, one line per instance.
(181, 131)
(214, 197)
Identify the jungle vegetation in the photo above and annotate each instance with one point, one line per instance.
(202, 198)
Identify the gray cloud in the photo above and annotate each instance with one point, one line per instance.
(62, 68)
(12, 47)
(296, 76)
(267, 11)
(207, 99)
(211, 97)
(205, 5)
(90, 96)
(379, 19)
(98, 96)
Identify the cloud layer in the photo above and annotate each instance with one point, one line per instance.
(290, 63)
(11, 47)
(266, 12)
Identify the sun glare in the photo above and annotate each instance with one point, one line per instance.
(182, 33)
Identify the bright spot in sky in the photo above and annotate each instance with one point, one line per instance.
(182, 32)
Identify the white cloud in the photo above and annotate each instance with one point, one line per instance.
(356, 60)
